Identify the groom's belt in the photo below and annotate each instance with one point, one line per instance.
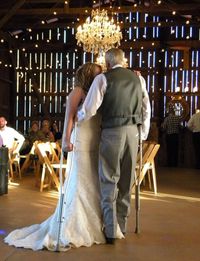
(120, 120)
(124, 116)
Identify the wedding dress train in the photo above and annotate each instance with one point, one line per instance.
(81, 220)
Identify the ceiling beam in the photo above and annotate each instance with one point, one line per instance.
(123, 9)
(125, 25)
(135, 45)
(44, 1)
(11, 12)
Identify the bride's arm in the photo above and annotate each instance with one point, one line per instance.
(74, 99)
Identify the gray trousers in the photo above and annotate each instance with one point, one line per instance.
(117, 160)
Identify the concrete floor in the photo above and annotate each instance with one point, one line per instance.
(169, 222)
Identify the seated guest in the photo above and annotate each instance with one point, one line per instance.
(48, 134)
(57, 134)
(9, 135)
(34, 134)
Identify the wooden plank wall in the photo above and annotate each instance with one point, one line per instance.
(7, 85)
(46, 60)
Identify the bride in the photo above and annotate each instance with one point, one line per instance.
(81, 220)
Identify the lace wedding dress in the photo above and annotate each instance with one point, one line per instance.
(81, 220)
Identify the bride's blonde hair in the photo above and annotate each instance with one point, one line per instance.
(85, 75)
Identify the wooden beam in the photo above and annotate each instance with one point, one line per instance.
(135, 45)
(44, 1)
(11, 12)
(123, 9)
(6, 80)
(131, 45)
(183, 44)
(4, 107)
(62, 24)
(176, 44)
(169, 94)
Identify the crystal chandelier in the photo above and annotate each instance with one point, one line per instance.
(98, 34)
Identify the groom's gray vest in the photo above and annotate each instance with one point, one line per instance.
(122, 101)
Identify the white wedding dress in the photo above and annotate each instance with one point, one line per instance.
(81, 216)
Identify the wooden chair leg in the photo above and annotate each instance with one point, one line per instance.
(149, 179)
(26, 164)
(17, 166)
(37, 174)
(154, 178)
(144, 182)
(11, 173)
(42, 178)
(19, 170)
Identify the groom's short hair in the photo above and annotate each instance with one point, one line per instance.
(114, 56)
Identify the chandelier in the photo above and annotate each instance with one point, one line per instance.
(98, 34)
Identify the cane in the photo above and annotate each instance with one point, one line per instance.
(62, 192)
(60, 203)
(67, 181)
(137, 183)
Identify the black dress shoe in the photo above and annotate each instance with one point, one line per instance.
(110, 241)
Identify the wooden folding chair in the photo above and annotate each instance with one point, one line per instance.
(151, 171)
(30, 159)
(14, 160)
(49, 161)
(149, 152)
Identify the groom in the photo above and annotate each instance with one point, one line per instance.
(118, 96)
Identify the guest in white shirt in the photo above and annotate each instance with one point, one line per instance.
(9, 135)
(1, 141)
(194, 126)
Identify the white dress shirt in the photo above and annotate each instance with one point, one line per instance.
(194, 122)
(9, 134)
(95, 96)
(1, 141)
